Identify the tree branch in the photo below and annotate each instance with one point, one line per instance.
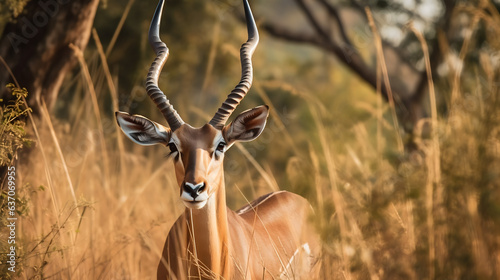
(336, 16)
(407, 82)
(293, 36)
(345, 52)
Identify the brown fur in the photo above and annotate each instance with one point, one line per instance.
(256, 243)
(215, 242)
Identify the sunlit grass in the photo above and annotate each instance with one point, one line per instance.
(100, 210)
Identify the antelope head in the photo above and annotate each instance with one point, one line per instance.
(197, 153)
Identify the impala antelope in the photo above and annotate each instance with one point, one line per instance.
(266, 239)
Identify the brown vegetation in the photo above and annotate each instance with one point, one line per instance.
(100, 207)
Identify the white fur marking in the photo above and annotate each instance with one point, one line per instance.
(249, 206)
(307, 248)
(304, 247)
(217, 139)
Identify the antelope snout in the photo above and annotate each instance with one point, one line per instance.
(194, 196)
(194, 190)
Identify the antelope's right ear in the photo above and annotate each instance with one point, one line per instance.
(142, 130)
(247, 126)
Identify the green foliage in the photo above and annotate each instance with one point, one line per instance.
(12, 138)
(9, 10)
(12, 8)
(12, 133)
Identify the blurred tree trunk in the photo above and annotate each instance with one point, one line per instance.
(36, 46)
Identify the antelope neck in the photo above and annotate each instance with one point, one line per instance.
(209, 227)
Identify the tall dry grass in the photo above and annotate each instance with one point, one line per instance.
(100, 208)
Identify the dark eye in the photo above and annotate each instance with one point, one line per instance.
(173, 149)
(220, 147)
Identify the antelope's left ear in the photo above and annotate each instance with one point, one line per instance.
(142, 130)
(247, 126)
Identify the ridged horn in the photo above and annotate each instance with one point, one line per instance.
(154, 92)
(239, 92)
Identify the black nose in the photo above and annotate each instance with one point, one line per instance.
(194, 191)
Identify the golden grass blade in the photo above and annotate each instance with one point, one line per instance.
(337, 198)
(432, 97)
(119, 27)
(107, 73)
(114, 95)
(193, 237)
(455, 92)
(46, 116)
(131, 201)
(434, 153)
(381, 63)
(53, 195)
(211, 56)
(93, 96)
(380, 116)
(72, 233)
(10, 72)
(274, 113)
(265, 175)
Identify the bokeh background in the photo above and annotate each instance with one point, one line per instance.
(384, 114)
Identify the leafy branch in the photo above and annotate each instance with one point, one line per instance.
(12, 132)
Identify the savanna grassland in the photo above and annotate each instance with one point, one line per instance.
(389, 204)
